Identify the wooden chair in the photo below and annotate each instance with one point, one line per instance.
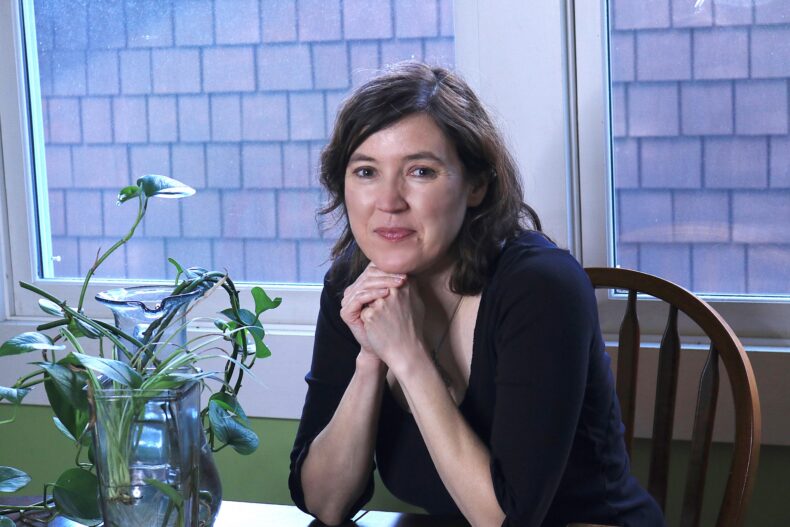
(724, 345)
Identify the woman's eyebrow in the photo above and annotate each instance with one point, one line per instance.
(359, 157)
(411, 157)
(424, 155)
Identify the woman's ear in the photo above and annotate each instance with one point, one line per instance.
(476, 195)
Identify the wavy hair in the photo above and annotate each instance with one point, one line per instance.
(409, 88)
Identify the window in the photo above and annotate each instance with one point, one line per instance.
(701, 143)
(235, 98)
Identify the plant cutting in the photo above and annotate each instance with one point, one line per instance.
(124, 393)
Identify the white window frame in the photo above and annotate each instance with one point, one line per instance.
(552, 107)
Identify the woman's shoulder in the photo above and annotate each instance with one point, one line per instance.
(532, 261)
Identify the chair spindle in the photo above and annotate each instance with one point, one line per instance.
(700, 441)
(627, 367)
(664, 410)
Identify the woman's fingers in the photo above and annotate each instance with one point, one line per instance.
(354, 304)
(373, 284)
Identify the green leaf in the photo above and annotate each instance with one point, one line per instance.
(127, 193)
(169, 491)
(174, 380)
(116, 370)
(163, 187)
(179, 269)
(69, 383)
(5, 521)
(220, 324)
(27, 342)
(65, 431)
(13, 395)
(76, 494)
(231, 429)
(229, 403)
(244, 317)
(50, 307)
(79, 328)
(67, 415)
(12, 479)
(262, 301)
(261, 350)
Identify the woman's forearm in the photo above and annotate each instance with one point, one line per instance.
(338, 464)
(461, 459)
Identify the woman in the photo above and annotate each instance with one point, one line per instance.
(455, 342)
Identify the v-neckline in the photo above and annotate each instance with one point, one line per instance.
(476, 343)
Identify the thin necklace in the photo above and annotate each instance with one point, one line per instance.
(435, 355)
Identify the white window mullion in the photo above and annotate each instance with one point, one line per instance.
(511, 52)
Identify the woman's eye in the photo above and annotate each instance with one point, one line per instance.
(423, 172)
(363, 172)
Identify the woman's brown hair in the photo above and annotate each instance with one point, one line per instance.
(408, 88)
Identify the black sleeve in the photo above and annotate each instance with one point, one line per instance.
(545, 324)
(334, 361)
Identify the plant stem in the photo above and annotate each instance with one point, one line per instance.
(53, 324)
(108, 330)
(143, 203)
(31, 383)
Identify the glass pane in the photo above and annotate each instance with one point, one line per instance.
(700, 147)
(235, 98)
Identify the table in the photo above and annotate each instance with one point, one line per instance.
(239, 514)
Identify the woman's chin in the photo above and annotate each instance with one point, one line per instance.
(392, 266)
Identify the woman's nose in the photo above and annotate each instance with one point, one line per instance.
(390, 196)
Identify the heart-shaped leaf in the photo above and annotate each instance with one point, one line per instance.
(244, 317)
(12, 479)
(60, 426)
(76, 494)
(261, 350)
(13, 395)
(71, 384)
(231, 404)
(127, 193)
(163, 187)
(27, 342)
(231, 429)
(50, 307)
(69, 417)
(116, 370)
(262, 301)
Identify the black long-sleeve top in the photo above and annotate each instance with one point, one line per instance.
(541, 397)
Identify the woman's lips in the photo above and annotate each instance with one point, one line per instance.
(394, 234)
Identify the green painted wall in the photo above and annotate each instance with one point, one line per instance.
(33, 444)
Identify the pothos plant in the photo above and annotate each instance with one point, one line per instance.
(69, 374)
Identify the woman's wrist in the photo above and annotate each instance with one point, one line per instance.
(369, 365)
(410, 361)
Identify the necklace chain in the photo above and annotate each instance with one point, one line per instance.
(435, 351)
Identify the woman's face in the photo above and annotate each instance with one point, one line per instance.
(406, 196)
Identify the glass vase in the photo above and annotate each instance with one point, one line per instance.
(136, 310)
(147, 450)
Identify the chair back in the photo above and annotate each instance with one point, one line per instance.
(724, 345)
